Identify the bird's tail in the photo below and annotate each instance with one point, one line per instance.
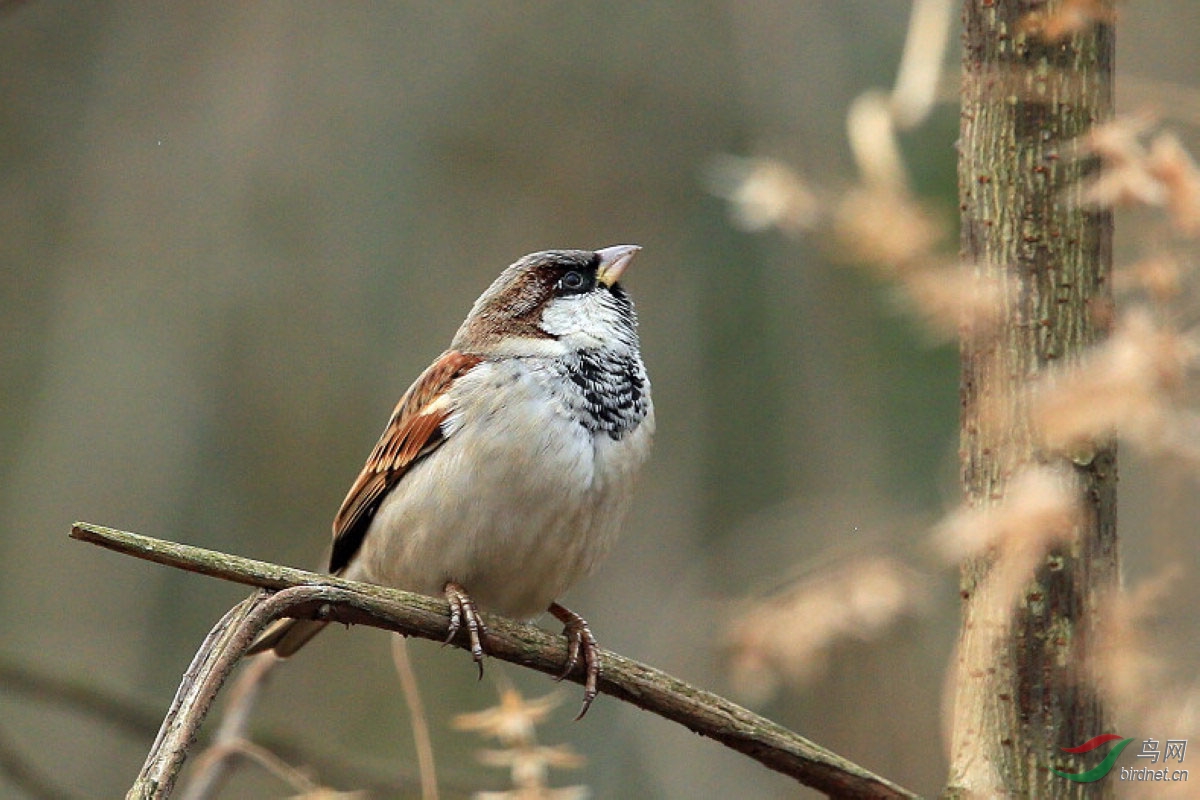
(286, 636)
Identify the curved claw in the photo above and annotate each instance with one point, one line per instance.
(580, 641)
(462, 607)
(575, 638)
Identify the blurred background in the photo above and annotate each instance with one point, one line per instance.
(233, 233)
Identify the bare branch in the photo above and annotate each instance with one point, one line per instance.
(133, 717)
(292, 592)
(215, 659)
(418, 722)
(215, 764)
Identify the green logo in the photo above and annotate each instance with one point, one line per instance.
(1100, 770)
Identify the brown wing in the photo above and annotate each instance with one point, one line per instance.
(413, 432)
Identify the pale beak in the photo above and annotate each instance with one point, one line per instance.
(613, 261)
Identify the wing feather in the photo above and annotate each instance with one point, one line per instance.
(413, 432)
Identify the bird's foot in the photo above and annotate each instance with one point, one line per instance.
(580, 641)
(462, 609)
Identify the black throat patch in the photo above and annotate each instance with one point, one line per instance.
(612, 391)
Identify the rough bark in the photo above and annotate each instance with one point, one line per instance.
(1021, 691)
(284, 591)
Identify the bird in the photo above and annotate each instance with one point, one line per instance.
(506, 469)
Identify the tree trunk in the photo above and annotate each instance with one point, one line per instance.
(1022, 692)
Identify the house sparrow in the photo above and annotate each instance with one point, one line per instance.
(506, 468)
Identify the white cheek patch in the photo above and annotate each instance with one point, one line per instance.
(529, 347)
(585, 321)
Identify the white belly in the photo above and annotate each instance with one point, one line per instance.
(517, 504)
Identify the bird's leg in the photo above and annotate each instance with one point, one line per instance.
(462, 607)
(579, 640)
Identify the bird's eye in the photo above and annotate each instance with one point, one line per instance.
(573, 282)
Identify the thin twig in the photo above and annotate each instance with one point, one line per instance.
(411, 614)
(416, 712)
(203, 678)
(216, 762)
(285, 772)
(134, 717)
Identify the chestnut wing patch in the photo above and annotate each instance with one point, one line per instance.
(413, 432)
